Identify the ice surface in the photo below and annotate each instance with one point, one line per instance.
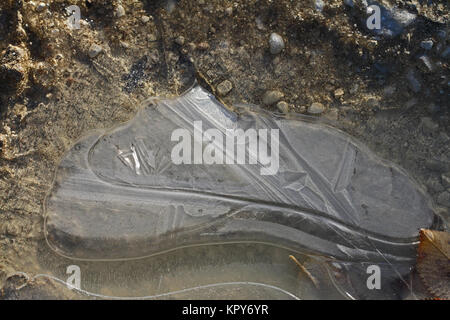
(118, 195)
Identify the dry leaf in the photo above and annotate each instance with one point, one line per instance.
(433, 262)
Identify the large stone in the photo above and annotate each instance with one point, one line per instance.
(316, 108)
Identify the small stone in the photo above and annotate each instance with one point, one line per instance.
(446, 179)
(316, 108)
(426, 63)
(229, 11)
(332, 114)
(145, 19)
(372, 44)
(179, 40)
(152, 37)
(192, 46)
(84, 23)
(203, 46)
(40, 7)
(338, 93)
(349, 3)
(224, 88)
(94, 50)
(444, 199)
(259, 24)
(426, 44)
(271, 97)
(283, 106)
(11, 230)
(120, 11)
(276, 43)
(394, 20)
(318, 4)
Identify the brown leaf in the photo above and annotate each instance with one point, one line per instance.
(433, 262)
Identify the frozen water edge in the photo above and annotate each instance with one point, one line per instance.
(331, 196)
(329, 193)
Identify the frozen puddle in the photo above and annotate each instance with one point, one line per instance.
(137, 190)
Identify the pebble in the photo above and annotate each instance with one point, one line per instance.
(229, 11)
(224, 88)
(319, 5)
(426, 44)
(40, 7)
(84, 23)
(349, 3)
(120, 11)
(259, 24)
(426, 63)
(203, 46)
(394, 19)
(276, 43)
(12, 230)
(152, 37)
(179, 40)
(332, 114)
(283, 106)
(145, 19)
(271, 97)
(338, 93)
(94, 50)
(316, 108)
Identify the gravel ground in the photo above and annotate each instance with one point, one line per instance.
(389, 89)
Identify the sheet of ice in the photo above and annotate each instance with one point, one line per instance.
(118, 194)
